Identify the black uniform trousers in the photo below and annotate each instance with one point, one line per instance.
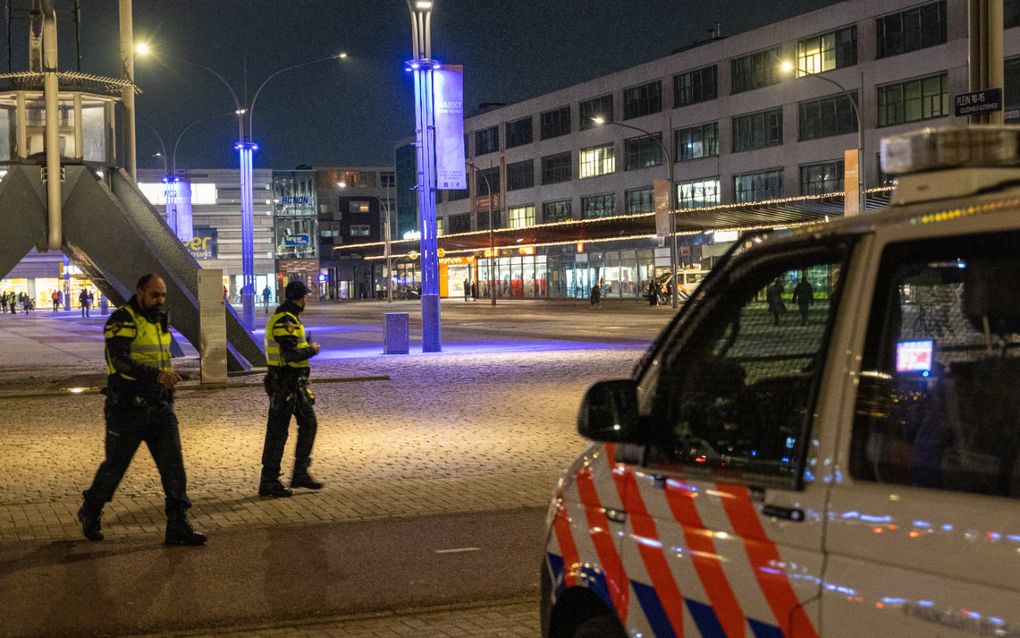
(127, 426)
(284, 402)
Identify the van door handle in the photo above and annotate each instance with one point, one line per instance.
(794, 514)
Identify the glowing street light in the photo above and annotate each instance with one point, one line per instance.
(675, 288)
(788, 68)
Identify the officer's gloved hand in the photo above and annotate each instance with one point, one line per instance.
(168, 379)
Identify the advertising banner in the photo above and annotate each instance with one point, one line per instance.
(203, 243)
(660, 193)
(448, 82)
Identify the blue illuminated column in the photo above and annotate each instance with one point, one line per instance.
(170, 192)
(425, 133)
(246, 149)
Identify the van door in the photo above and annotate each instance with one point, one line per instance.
(725, 516)
(924, 534)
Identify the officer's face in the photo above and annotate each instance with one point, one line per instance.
(153, 296)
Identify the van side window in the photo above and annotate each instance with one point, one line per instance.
(734, 396)
(937, 404)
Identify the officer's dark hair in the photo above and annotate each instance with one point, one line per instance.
(145, 280)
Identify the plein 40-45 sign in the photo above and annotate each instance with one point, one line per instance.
(977, 102)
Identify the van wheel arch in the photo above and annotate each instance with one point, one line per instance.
(579, 609)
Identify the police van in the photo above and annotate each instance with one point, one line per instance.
(854, 471)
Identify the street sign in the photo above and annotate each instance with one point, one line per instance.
(297, 239)
(977, 102)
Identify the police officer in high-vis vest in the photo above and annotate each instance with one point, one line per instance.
(287, 355)
(140, 407)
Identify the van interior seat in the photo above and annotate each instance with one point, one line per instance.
(984, 414)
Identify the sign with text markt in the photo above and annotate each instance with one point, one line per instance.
(448, 100)
(977, 102)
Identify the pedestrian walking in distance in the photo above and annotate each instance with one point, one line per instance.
(287, 355)
(85, 300)
(804, 297)
(774, 299)
(467, 289)
(140, 407)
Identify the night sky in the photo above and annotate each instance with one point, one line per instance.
(352, 112)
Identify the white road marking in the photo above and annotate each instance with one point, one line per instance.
(458, 550)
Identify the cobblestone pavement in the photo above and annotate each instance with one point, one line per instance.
(488, 424)
(507, 619)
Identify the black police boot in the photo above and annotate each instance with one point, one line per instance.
(180, 532)
(274, 488)
(91, 524)
(303, 479)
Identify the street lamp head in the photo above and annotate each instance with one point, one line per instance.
(142, 49)
(598, 120)
(423, 5)
(342, 55)
(240, 112)
(786, 67)
(341, 184)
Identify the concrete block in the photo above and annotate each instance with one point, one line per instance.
(396, 333)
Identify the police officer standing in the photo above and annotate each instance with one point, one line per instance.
(140, 407)
(287, 355)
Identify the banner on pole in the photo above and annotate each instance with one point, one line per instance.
(660, 194)
(448, 82)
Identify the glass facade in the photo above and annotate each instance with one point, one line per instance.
(295, 215)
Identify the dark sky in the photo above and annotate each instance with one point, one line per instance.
(351, 112)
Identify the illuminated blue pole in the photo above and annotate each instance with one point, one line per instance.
(425, 136)
(170, 193)
(245, 150)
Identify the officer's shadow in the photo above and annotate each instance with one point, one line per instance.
(54, 588)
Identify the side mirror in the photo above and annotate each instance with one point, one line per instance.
(609, 413)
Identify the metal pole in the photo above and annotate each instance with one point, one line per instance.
(127, 60)
(422, 66)
(389, 257)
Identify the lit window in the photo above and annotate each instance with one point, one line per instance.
(597, 160)
(521, 216)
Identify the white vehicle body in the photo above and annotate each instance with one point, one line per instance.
(857, 474)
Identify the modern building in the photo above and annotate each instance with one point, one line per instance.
(750, 146)
(214, 199)
(352, 208)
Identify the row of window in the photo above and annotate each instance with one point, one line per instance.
(910, 30)
(815, 179)
(910, 101)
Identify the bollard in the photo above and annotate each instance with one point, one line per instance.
(396, 333)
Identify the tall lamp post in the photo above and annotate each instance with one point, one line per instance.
(385, 206)
(422, 65)
(492, 248)
(245, 150)
(674, 298)
(862, 203)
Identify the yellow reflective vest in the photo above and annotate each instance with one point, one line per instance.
(150, 344)
(284, 324)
